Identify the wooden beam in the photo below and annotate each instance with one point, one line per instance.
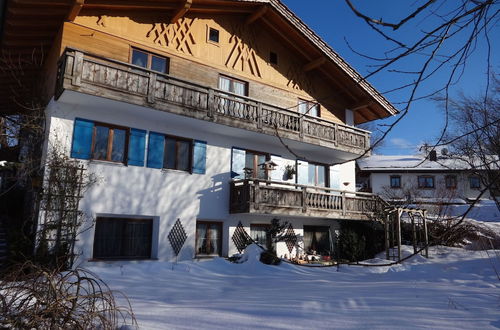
(181, 11)
(75, 10)
(256, 15)
(314, 64)
(360, 105)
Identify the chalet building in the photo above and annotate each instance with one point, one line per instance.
(200, 119)
(432, 180)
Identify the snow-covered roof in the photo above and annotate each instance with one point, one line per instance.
(411, 163)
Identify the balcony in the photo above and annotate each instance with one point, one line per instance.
(90, 74)
(269, 197)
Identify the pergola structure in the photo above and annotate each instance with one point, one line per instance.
(393, 238)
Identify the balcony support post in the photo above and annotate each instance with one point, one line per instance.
(256, 195)
(77, 69)
(301, 126)
(259, 115)
(151, 87)
(304, 199)
(343, 203)
(211, 103)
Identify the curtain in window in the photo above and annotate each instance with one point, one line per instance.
(214, 239)
(201, 234)
(239, 88)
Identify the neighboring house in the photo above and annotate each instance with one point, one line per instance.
(415, 178)
(190, 111)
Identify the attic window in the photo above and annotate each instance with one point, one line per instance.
(273, 58)
(213, 35)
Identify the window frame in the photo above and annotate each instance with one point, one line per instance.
(425, 186)
(150, 59)
(124, 221)
(474, 177)
(450, 178)
(219, 240)
(109, 149)
(327, 176)
(256, 155)
(398, 186)
(262, 226)
(232, 80)
(209, 40)
(309, 105)
(190, 155)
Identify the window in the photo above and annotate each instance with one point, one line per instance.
(395, 181)
(123, 238)
(177, 155)
(213, 35)
(259, 233)
(208, 238)
(93, 140)
(317, 240)
(273, 58)
(450, 181)
(474, 182)
(109, 143)
(253, 161)
(232, 85)
(171, 152)
(317, 175)
(150, 61)
(425, 181)
(310, 108)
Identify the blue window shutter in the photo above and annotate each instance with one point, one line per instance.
(156, 147)
(199, 157)
(238, 163)
(136, 147)
(82, 139)
(302, 172)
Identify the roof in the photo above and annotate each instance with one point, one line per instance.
(409, 163)
(31, 25)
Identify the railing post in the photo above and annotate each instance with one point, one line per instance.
(211, 103)
(151, 87)
(77, 69)
(304, 199)
(301, 126)
(336, 137)
(342, 193)
(259, 115)
(256, 195)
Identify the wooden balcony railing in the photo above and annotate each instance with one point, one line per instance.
(125, 82)
(270, 197)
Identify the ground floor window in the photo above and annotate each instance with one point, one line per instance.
(123, 238)
(317, 240)
(259, 233)
(208, 238)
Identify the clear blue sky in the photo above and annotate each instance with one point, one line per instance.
(335, 22)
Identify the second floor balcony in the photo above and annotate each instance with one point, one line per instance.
(95, 75)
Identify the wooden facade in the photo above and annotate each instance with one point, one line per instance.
(250, 32)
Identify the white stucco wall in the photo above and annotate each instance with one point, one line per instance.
(168, 195)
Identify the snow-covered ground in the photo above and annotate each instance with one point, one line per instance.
(454, 289)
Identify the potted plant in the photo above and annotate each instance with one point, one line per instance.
(289, 171)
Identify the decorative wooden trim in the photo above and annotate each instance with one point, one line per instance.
(75, 9)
